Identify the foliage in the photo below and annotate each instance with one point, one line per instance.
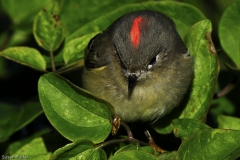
(62, 30)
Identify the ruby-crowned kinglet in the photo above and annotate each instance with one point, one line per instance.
(140, 65)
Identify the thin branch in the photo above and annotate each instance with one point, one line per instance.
(227, 89)
(52, 61)
(114, 141)
(129, 132)
(107, 143)
(130, 138)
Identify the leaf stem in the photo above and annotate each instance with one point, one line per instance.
(114, 141)
(228, 88)
(52, 61)
(129, 132)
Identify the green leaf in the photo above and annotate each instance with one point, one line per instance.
(206, 69)
(9, 118)
(33, 150)
(229, 33)
(232, 67)
(41, 156)
(179, 12)
(211, 144)
(133, 155)
(48, 29)
(17, 147)
(26, 56)
(74, 49)
(13, 118)
(34, 147)
(73, 13)
(129, 147)
(164, 125)
(148, 149)
(74, 112)
(183, 128)
(221, 106)
(228, 122)
(94, 153)
(30, 111)
(18, 37)
(72, 150)
(23, 12)
(168, 155)
(79, 149)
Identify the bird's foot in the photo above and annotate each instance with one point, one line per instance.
(152, 143)
(116, 122)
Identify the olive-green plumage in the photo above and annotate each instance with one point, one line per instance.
(143, 81)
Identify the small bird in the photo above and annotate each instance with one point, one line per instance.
(140, 65)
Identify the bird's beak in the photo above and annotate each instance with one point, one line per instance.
(132, 79)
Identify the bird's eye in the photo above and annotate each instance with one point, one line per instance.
(152, 62)
(90, 47)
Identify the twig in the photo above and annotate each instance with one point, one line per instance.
(114, 141)
(227, 89)
(130, 138)
(52, 61)
(129, 132)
